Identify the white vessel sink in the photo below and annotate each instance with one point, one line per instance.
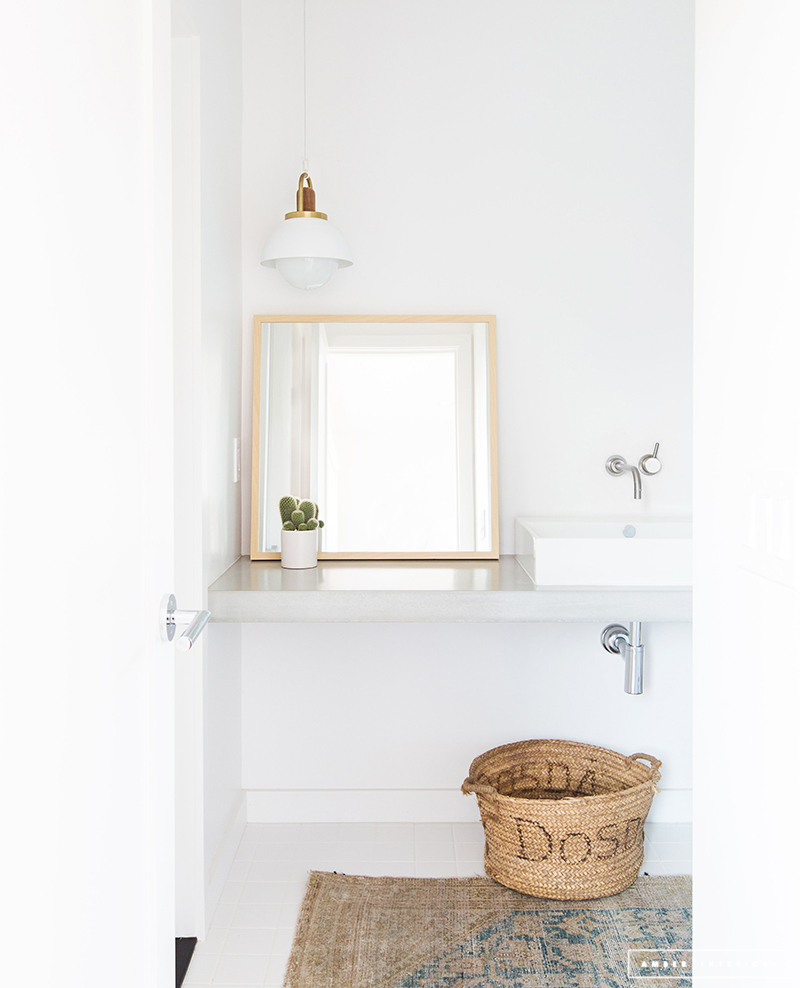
(595, 552)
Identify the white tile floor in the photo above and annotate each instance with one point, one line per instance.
(252, 930)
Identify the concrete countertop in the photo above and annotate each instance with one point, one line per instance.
(428, 591)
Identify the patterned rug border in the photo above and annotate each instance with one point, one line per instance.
(645, 887)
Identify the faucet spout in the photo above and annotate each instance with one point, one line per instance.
(617, 465)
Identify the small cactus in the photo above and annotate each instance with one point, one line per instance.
(287, 505)
(308, 508)
(299, 515)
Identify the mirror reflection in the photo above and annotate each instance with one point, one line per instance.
(387, 423)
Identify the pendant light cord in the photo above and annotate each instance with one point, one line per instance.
(305, 96)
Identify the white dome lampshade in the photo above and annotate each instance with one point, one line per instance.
(306, 249)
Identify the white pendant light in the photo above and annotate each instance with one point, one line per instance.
(306, 249)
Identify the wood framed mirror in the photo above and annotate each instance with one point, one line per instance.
(388, 423)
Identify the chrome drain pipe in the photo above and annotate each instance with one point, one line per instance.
(627, 642)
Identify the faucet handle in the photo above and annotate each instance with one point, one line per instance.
(650, 463)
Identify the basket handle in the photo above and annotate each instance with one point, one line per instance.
(479, 788)
(655, 764)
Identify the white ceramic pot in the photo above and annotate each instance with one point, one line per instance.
(299, 549)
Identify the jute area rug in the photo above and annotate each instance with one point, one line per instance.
(468, 932)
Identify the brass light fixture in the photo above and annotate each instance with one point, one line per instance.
(306, 200)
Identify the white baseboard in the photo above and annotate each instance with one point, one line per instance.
(406, 806)
(223, 859)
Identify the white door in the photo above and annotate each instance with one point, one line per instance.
(190, 909)
(87, 552)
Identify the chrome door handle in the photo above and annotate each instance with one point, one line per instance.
(171, 617)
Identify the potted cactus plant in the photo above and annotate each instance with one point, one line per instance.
(300, 532)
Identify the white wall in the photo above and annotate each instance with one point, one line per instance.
(407, 707)
(218, 26)
(529, 159)
(212, 710)
(748, 479)
(526, 158)
(223, 806)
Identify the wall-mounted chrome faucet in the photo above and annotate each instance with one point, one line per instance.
(627, 642)
(649, 465)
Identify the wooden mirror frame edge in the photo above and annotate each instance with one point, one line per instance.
(494, 552)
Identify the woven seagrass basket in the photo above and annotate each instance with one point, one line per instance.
(563, 820)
